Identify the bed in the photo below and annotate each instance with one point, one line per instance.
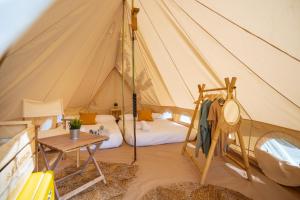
(158, 131)
(111, 130)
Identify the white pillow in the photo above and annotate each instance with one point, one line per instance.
(156, 116)
(105, 118)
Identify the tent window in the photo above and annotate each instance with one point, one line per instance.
(46, 125)
(282, 150)
(167, 115)
(59, 118)
(185, 119)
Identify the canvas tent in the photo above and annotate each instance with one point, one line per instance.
(73, 52)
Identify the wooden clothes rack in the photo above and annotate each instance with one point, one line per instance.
(229, 88)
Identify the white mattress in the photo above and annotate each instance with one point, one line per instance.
(161, 131)
(111, 130)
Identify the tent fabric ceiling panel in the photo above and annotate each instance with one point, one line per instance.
(109, 93)
(53, 64)
(166, 67)
(225, 65)
(73, 52)
(100, 66)
(256, 54)
(277, 23)
(244, 56)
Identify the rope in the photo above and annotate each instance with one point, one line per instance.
(249, 32)
(133, 89)
(123, 38)
(232, 54)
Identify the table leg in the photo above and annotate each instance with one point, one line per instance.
(95, 161)
(91, 153)
(90, 183)
(78, 157)
(83, 187)
(44, 156)
(55, 164)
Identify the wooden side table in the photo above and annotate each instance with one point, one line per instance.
(64, 144)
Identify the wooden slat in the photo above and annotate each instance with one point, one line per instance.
(9, 150)
(16, 156)
(23, 173)
(235, 160)
(191, 145)
(13, 123)
(10, 131)
(14, 175)
(6, 175)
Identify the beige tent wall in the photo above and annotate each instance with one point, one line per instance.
(109, 93)
(276, 22)
(190, 44)
(67, 54)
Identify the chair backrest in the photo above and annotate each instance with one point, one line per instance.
(38, 111)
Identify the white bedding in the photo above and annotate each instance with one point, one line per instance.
(111, 130)
(161, 131)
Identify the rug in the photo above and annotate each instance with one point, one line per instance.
(117, 176)
(192, 191)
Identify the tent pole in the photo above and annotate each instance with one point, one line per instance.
(134, 12)
(123, 40)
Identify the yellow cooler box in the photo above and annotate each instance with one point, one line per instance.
(39, 186)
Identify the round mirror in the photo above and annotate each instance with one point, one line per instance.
(231, 112)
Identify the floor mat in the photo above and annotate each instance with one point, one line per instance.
(193, 191)
(117, 175)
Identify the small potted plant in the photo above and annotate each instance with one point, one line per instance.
(75, 125)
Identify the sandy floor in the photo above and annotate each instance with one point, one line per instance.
(163, 164)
